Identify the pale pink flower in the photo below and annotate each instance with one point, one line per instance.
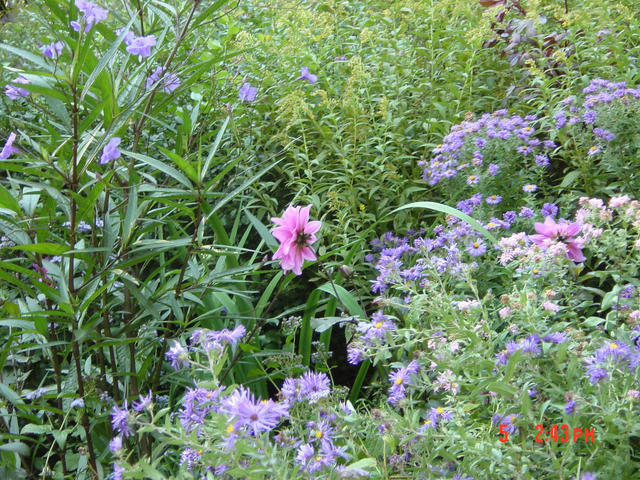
(635, 315)
(295, 233)
(504, 312)
(619, 201)
(551, 232)
(552, 307)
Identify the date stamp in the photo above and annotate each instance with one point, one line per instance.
(556, 433)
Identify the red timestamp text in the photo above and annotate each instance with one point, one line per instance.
(563, 433)
(557, 433)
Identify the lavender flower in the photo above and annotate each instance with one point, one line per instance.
(314, 386)
(247, 92)
(141, 46)
(493, 169)
(53, 50)
(476, 248)
(555, 337)
(110, 151)
(169, 82)
(78, 402)
(529, 188)
(549, 210)
(526, 212)
(305, 75)
(570, 407)
(144, 402)
(177, 355)
(399, 379)
(14, 92)
(196, 405)
(542, 160)
(8, 149)
(115, 445)
(92, 14)
(593, 150)
(120, 420)
(257, 416)
(493, 199)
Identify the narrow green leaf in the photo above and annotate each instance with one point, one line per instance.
(163, 167)
(264, 233)
(106, 58)
(214, 149)
(438, 207)
(306, 332)
(360, 377)
(7, 201)
(44, 248)
(345, 297)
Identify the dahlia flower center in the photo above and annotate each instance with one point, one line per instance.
(302, 240)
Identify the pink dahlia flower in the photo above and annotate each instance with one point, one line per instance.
(295, 233)
(550, 232)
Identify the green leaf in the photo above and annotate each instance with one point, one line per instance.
(44, 248)
(325, 323)
(8, 201)
(214, 149)
(345, 297)
(306, 332)
(438, 207)
(182, 163)
(163, 167)
(106, 58)
(16, 447)
(264, 233)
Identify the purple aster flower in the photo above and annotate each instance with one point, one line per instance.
(529, 188)
(472, 180)
(532, 392)
(589, 116)
(291, 390)
(115, 445)
(595, 371)
(525, 150)
(437, 414)
(177, 355)
(247, 92)
(399, 379)
(588, 476)
(169, 82)
(555, 337)
(190, 457)
(627, 291)
(305, 75)
(476, 248)
(549, 144)
(144, 402)
(493, 199)
(53, 50)
(110, 151)
(355, 355)
(510, 420)
(493, 169)
(141, 46)
(305, 453)
(542, 160)
(531, 344)
(117, 472)
(561, 119)
(618, 351)
(314, 386)
(257, 416)
(526, 212)
(593, 150)
(120, 420)
(78, 402)
(549, 210)
(14, 92)
(570, 407)
(196, 405)
(92, 15)
(8, 149)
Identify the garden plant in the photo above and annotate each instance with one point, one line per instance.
(281, 239)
